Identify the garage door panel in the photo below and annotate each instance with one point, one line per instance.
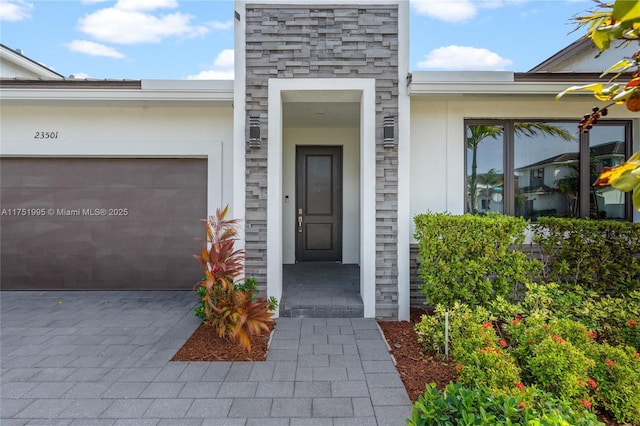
(102, 238)
(113, 272)
(75, 245)
(101, 172)
(43, 238)
(152, 204)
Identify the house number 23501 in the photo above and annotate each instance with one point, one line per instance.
(46, 135)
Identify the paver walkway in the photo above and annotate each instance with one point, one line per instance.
(102, 358)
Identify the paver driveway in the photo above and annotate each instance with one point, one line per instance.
(102, 358)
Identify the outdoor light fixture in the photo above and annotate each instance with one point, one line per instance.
(388, 125)
(254, 131)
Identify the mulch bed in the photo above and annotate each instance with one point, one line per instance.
(205, 345)
(415, 369)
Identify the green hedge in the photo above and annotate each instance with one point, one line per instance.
(471, 258)
(600, 255)
(548, 342)
(457, 405)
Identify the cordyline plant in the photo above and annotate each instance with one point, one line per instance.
(232, 310)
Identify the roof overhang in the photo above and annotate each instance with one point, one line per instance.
(21, 61)
(209, 91)
(459, 83)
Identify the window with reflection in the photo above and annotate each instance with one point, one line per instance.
(485, 168)
(534, 168)
(607, 148)
(546, 160)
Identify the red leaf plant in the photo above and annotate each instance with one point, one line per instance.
(235, 313)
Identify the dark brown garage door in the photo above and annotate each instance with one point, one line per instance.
(101, 223)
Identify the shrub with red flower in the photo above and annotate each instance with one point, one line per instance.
(632, 323)
(592, 383)
(503, 343)
(520, 385)
(557, 339)
(459, 367)
(488, 350)
(610, 363)
(592, 335)
(586, 403)
(487, 324)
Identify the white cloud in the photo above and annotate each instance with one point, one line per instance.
(457, 10)
(93, 49)
(114, 25)
(464, 58)
(446, 10)
(212, 75)
(221, 69)
(225, 59)
(80, 76)
(15, 10)
(146, 4)
(217, 25)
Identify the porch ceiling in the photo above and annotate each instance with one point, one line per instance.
(321, 108)
(321, 114)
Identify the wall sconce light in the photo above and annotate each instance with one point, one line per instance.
(254, 132)
(388, 126)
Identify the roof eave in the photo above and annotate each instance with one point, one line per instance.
(573, 49)
(498, 83)
(28, 64)
(117, 90)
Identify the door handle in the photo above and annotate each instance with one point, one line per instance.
(299, 220)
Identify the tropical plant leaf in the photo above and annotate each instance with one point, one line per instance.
(231, 310)
(593, 87)
(619, 67)
(625, 175)
(635, 82)
(626, 11)
(611, 174)
(627, 181)
(624, 95)
(635, 198)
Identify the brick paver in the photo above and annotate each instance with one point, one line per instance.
(103, 358)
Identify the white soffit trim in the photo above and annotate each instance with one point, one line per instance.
(404, 161)
(481, 83)
(162, 90)
(238, 202)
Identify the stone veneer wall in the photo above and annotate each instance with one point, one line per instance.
(324, 41)
(416, 298)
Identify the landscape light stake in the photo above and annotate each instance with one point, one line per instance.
(446, 334)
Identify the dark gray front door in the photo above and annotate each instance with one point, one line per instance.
(318, 203)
